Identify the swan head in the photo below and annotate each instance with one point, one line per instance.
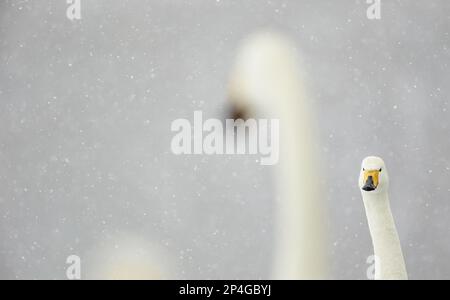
(373, 177)
(265, 76)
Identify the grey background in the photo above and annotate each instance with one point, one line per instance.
(86, 107)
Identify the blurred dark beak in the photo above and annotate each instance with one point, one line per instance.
(369, 185)
(235, 113)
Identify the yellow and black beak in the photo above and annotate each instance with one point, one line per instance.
(370, 180)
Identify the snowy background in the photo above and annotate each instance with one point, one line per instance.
(85, 113)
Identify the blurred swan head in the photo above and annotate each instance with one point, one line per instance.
(265, 76)
(129, 258)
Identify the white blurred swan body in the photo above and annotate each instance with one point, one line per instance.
(266, 83)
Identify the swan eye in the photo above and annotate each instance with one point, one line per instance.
(381, 169)
(364, 169)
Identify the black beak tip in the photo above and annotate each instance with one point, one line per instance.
(368, 188)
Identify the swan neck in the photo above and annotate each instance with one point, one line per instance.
(300, 228)
(386, 243)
